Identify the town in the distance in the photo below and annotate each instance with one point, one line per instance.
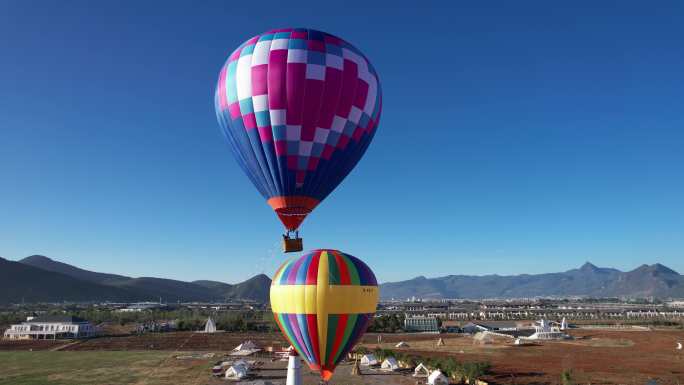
(603, 318)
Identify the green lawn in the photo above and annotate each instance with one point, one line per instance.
(100, 368)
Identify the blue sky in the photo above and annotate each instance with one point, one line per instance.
(516, 137)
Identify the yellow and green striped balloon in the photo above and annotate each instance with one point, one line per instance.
(323, 302)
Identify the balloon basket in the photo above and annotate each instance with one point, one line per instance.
(291, 245)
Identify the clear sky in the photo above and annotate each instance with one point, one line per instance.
(516, 137)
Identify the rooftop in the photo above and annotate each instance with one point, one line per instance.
(496, 324)
(57, 319)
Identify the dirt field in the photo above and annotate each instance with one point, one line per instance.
(215, 342)
(7, 345)
(594, 356)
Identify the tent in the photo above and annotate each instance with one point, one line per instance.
(241, 363)
(236, 372)
(247, 345)
(390, 364)
(483, 338)
(245, 349)
(421, 371)
(210, 326)
(437, 378)
(401, 344)
(368, 360)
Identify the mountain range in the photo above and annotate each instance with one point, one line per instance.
(589, 281)
(40, 279)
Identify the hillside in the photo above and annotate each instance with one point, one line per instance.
(40, 279)
(45, 263)
(256, 288)
(213, 285)
(588, 280)
(24, 283)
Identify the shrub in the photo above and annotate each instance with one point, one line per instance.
(566, 377)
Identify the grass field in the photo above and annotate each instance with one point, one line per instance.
(99, 368)
(150, 368)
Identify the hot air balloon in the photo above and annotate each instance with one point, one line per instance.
(323, 302)
(299, 108)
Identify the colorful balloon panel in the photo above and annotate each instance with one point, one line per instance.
(323, 302)
(299, 108)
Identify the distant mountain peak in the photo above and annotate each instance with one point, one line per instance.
(656, 268)
(588, 266)
(587, 280)
(261, 276)
(36, 258)
(664, 269)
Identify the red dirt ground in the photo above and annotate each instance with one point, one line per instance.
(180, 341)
(595, 356)
(34, 345)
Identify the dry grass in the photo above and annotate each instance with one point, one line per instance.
(98, 368)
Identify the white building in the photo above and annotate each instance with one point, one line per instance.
(544, 331)
(51, 327)
(142, 306)
(421, 324)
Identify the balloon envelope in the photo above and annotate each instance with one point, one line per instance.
(323, 303)
(299, 108)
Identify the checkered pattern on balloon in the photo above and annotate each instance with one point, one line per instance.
(299, 108)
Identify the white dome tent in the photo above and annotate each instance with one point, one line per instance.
(421, 371)
(242, 363)
(389, 364)
(437, 378)
(236, 372)
(369, 360)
